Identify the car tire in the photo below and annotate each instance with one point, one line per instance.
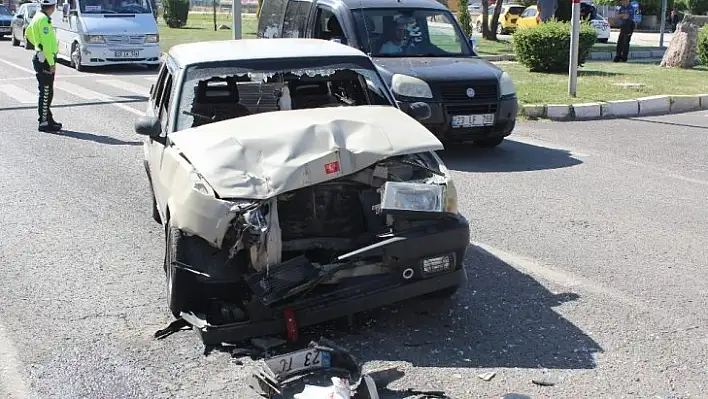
(179, 284)
(28, 45)
(15, 42)
(75, 57)
(478, 28)
(500, 29)
(602, 40)
(490, 142)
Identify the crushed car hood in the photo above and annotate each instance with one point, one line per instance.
(263, 155)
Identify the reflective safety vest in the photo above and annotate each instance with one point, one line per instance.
(40, 33)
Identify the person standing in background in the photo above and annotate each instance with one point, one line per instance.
(626, 17)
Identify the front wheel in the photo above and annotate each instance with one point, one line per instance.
(76, 57)
(178, 283)
(479, 27)
(602, 40)
(500, 29)
(15, 42)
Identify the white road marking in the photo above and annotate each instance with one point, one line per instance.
(11, 380)
(120, 84)
(544, 144)
(81, 91)
(665, 173)
(534, 268)
(18, 94)
(21, 68)
(88, 94)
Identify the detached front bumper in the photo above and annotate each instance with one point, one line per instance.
(450, 238)
(440, 121)
(101, 54)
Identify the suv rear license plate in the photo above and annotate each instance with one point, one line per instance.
(472, 120)
(128, 54)
(294, 362)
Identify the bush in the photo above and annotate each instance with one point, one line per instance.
(546, 48)
(175, 13)
(465, 19)
(698, 7)
(703, 45)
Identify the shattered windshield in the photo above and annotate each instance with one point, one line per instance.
(115, 7)
(409, 32)
(212, 94)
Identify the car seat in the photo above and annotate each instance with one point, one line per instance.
(217, 98)
(311, 95)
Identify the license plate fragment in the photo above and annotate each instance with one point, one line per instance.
(294, 362)
(127, 54)
(472, 120)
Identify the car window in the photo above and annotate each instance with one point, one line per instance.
(212, 94)
(115, 7)
(531, 12)
(4, 10)
(391, 32)
(156, 93)
(516, 10)
(295, 17)
(270, 18)
(327, 26)
(165, 102)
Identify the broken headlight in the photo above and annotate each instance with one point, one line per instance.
(398, 197)
(200, 184)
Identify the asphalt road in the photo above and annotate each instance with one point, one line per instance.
(588, 261)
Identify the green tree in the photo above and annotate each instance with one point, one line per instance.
(465, 19)
(175, 13)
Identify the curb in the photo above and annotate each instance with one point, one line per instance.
(643, 106)
(593, 56)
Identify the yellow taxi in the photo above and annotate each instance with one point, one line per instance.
(507, 18)
(529, 18)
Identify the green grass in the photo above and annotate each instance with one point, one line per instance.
(597, 82)
(200, 27)
(502, 47)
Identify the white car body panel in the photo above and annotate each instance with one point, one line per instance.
(263, 155)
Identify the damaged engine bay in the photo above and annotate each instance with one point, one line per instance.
(316, 244)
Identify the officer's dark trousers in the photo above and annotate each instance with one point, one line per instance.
(625, 37)
(45, 81)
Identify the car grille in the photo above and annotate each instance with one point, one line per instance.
(125, 39)
(4, 23)
(471, 109)
(484, 91)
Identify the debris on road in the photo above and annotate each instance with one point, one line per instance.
(543, 383)
(487, 376)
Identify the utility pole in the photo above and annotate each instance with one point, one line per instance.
(236, 14)
(574, 41)
(663, 23)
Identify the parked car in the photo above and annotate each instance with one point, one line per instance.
(21, 21)
(471, 98)
(287, 179)
(507, 18)
(5, 21)
(530, 18)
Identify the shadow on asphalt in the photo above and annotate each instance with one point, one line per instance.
(510, 156)
(95, 138)
(503, 318)
(117, 70)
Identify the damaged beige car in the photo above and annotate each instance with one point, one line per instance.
(292, 189)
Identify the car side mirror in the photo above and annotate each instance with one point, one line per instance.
(148, 126)
(420, 111)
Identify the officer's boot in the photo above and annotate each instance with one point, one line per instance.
(46, 124)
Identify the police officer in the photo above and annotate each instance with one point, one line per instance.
(626, 17)
(41, 34)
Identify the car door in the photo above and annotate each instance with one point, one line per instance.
(17, 23)
(160, 100)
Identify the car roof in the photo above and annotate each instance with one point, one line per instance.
(255, 49)
(354, 4)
